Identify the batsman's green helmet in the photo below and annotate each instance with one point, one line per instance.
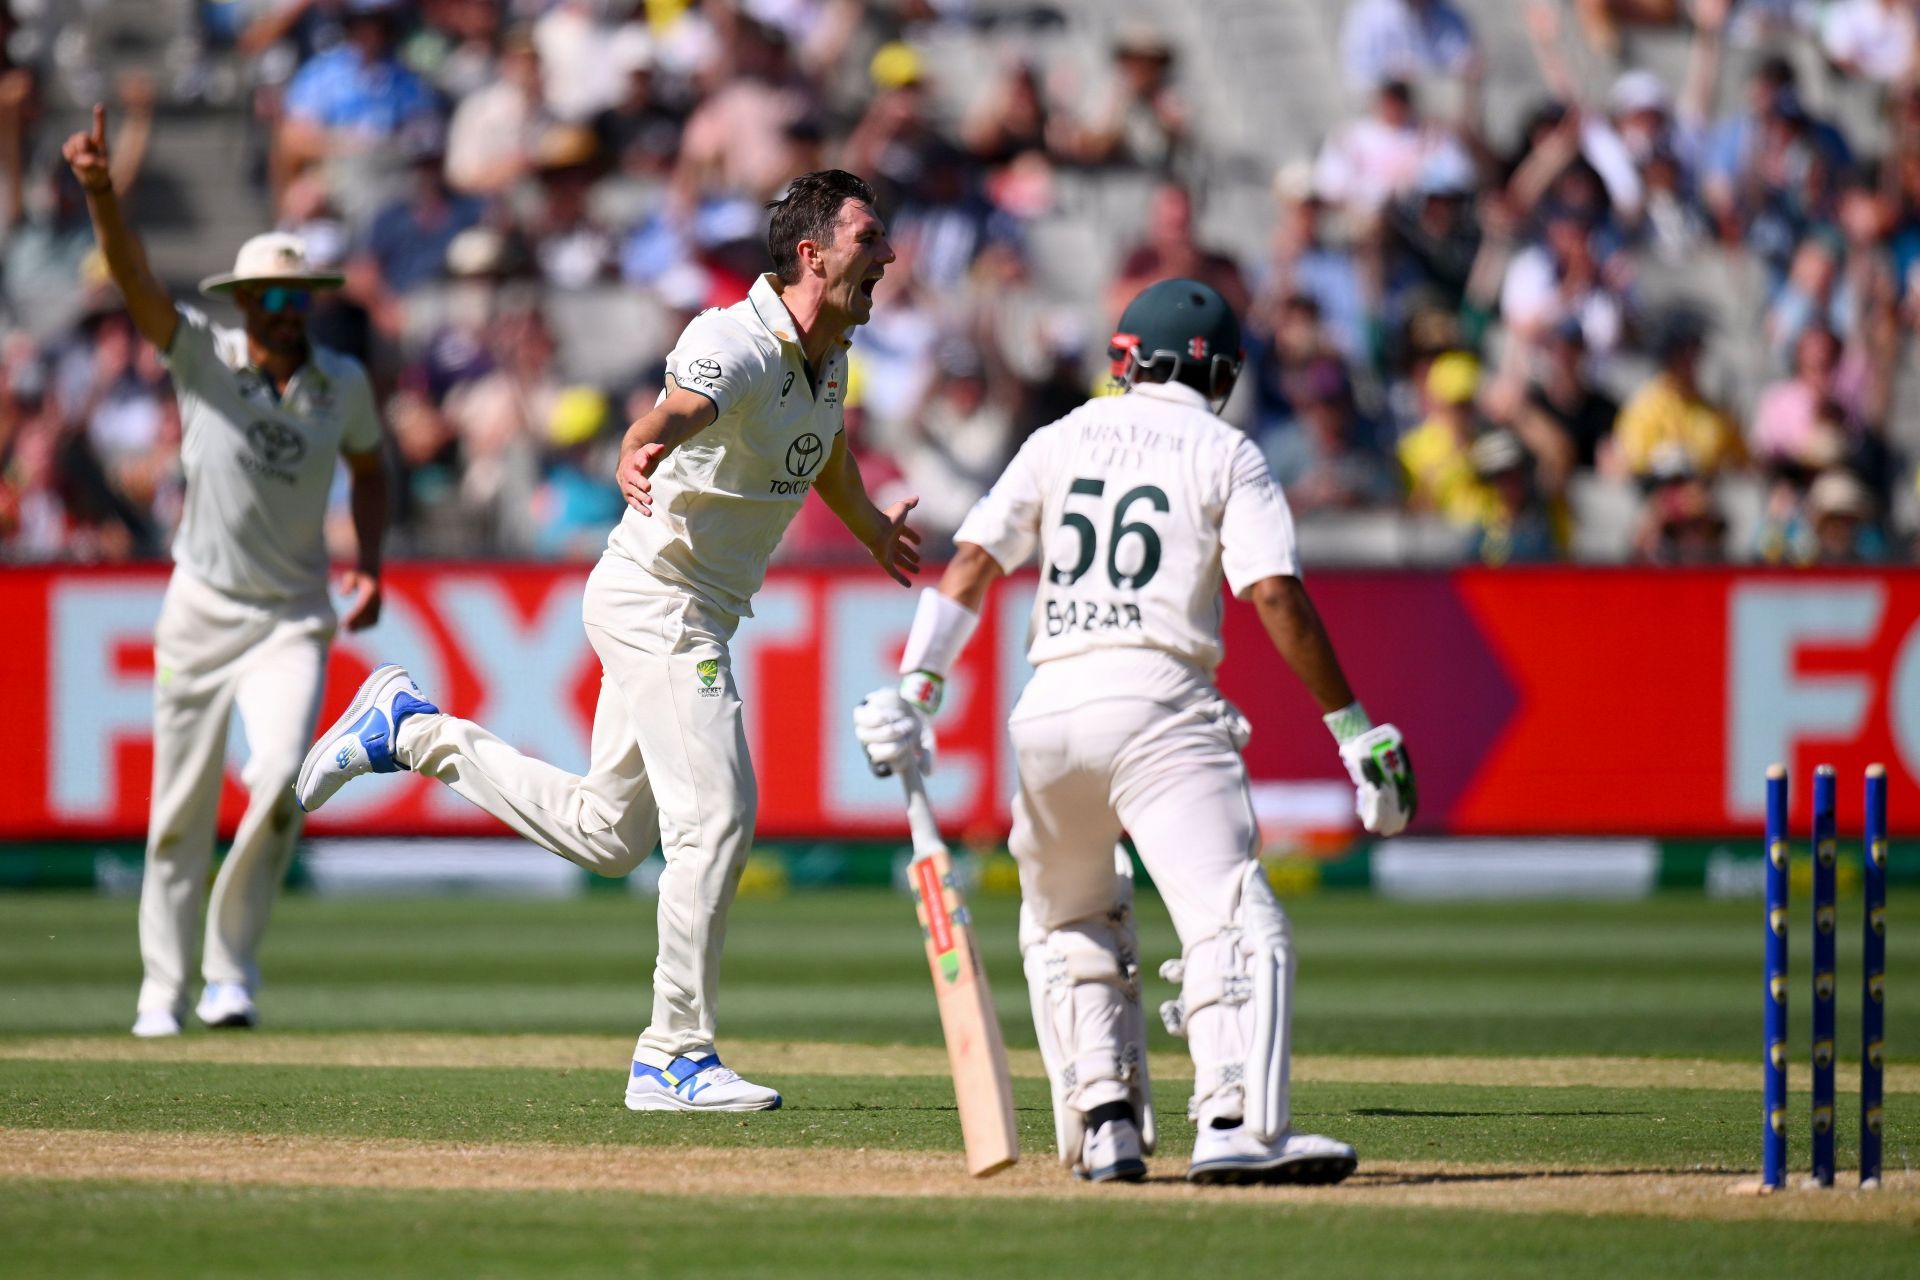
(1184, 327)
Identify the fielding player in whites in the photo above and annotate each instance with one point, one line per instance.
(264, 416)
(1137, 505)
(749, 422)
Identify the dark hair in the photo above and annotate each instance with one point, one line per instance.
(808, 211)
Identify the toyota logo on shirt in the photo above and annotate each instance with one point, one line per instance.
(804, 454)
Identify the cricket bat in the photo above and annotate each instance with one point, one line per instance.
(982, 1085)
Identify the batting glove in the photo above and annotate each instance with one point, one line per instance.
(893, 732)
(1385, 796)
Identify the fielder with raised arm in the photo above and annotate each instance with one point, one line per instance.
(265, 416)
(1138, 504)
(749, 422)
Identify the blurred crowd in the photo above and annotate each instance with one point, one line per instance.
(530, 198)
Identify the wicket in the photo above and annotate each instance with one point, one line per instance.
(1873, 980)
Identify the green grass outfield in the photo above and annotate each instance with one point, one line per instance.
(437, 1091)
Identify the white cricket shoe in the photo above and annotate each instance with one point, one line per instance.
(1111, 1153)
(151, 1024)
(226, 1004)
(1235, 1155)
(361, 740)
(695, 1084)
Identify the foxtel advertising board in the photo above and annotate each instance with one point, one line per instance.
(1536, 702)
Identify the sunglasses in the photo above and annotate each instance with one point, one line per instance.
(280, 299)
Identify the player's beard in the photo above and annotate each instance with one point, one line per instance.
(280, 335)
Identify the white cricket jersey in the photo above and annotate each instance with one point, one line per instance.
(722, 500)
(1138, 505)
(259, 465)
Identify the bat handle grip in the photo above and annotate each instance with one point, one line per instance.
(920, 819)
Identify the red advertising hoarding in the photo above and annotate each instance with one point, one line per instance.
(1553, 701)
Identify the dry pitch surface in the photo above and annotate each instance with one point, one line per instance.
(312, 1160)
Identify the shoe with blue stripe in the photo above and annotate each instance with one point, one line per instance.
(695, 1084)
(361, 740)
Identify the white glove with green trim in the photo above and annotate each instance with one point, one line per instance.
(1382, 772)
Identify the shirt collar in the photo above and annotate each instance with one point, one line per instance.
(1177, 392)
(772, 312)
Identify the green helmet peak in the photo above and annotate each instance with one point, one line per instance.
(1179, 330)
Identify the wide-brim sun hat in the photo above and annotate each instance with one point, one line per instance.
(274, 257)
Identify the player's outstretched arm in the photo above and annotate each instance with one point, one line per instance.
(1375, 756)
(894, 543)
(680, 416)
(147, 300)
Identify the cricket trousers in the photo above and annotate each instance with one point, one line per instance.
(668, 762)
(1170, 777)
(1169, 774)
(214, 654)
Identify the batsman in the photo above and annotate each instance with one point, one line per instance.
(1138, 505)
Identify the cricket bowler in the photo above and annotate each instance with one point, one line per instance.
(1138, 505)
(246, 622)
(749, 422)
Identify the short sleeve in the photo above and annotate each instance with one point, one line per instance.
(307, 95)
(719, 359)
(1005, 522)
(360, 420)
(192, 351)
(1256, 527)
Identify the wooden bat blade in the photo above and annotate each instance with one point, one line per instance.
(982, 1084)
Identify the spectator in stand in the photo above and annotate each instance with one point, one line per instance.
(1771, 176)
(1328, 462)
(406, 244)
(1168, 249)
(941, 222)
(1841, 512)
(1013, 119)
(1308, 262)
(958, 442)
(574, 506)
(1670, 418)
(1437, 455)
(1809, 296)
(640, 133)
(495, 129)
(1795, 419)
(571, 247)
(1680, 524)
(1565, 421)
(1283, 339)
(493, 415)
(580, 80)
(1872, 39)
(1145, 123)
(1518, 524)
(1562, 280)
(1382, 40)
(1379, 157)
(356, 98)
(1433, 236)
(457, 44)
(739, 139)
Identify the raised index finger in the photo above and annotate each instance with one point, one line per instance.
(100, 125)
